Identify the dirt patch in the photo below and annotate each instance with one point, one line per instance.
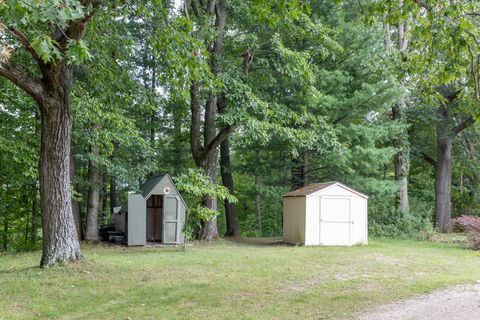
(459, 302)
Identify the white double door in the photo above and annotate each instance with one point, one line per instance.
(335, 221)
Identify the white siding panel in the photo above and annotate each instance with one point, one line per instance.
(312, 225)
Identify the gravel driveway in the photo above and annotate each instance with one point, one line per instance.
(459, 302)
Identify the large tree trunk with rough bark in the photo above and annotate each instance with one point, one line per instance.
(93, 208)
(209, 230)
(233, 227)
(52, 92)
(443, 178)
(446, 131)
(77, 213)
(60, 241)
(205, 156)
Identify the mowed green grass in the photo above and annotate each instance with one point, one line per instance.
(226, 280)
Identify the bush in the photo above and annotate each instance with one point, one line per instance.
(387, 222)
(469, 225)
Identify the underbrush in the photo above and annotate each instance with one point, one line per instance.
(470, 225)
(386, 222)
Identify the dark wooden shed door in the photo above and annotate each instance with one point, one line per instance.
(170, 221)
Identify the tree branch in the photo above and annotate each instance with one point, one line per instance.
(429, 159)
(463, 125)
(423, 4)
(20, 36)
(219, 138)
(24, 81)
(195, 143)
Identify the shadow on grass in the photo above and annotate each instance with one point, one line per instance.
(21, 270)
(260, 242)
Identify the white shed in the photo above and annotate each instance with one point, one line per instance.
(327, 214)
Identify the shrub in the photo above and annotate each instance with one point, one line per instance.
(387, 222)
(471, 226)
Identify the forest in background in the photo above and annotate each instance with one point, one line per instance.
(260, 97)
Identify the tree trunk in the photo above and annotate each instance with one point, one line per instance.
(299, 171)
(233, 227)
(475, 177)
(102, 202)
(443, 178)
(177, 138)
(95, 180)
(208, 161)
(5, 232)
(33, 229)
(401, 159)
(446, 132)
(77, 213)
(113, 194)
(60, 241)
(209, 230)
(258, 181)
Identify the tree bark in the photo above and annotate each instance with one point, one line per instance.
(94, 180)
(113, 194)
(5, 232)
(102, 202)
(233, 227)
(60, 240)
(209, 229)
(401, 142)
(206, 156)
(33, 228)
(177, 137)
(299, 171)
(52, 92)
(446, 132)
(258, 181)
(443, 178)
(77, 213)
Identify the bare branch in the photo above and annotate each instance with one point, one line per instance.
(463, 125)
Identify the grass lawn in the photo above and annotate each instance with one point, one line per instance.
(225, 280)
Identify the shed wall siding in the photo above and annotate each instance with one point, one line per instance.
(303, 213)
(165, 182)
(359, 215)
(137, 220)
(312, 235)
(294, 219)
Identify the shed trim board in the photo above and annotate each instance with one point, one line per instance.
(322, 187)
